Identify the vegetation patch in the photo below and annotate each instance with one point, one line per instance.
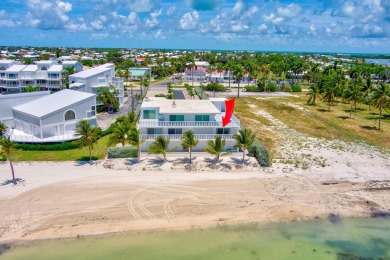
(261, 153)
(122, 152)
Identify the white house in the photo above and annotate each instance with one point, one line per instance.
(52, 118)
(92, 80)
(15, 77)
(171, 118)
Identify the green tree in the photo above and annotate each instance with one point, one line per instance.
(244, 139)
(120, 134)
(3, 129)
(88, 135)
(106, 96)
(67, 72)
(7, 147)
(353, 94)
(216, 147)
(160, 146)
(313, 93)
(238, 73)
(30, 88)
(380, 97)
(134, 138)
(188, 141)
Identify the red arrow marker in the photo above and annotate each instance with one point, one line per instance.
(229, 107)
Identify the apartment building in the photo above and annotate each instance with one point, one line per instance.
(171, 118)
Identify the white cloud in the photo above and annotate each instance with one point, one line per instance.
(239, 27)
(189, 21)
(273, 18)
(48, 15)
(290, 10)
(239, 8)
(262, 28)
(153, 22)
(171, 10)
(99, 36)
(142, 6)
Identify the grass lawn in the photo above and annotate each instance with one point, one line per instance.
(316, 121)
(99, 151)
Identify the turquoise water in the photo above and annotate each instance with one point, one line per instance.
(137, 72)
(320, 239)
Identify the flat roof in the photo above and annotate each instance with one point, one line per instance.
(91, 72)
(55, 68)
(30, 68)
(16, 68)
(181, 106)
(6, 61)
(52, 103)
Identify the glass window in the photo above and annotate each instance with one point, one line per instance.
(202, 118)
(176, 118)
(154, 131)
(175, 131)
(149, 114)
(223, 131)
(70, 115)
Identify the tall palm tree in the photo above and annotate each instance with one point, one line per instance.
(238, 73)
(353, 94)
(3, 129)
(244, 139)
(134, 138)
(7, 146)
(160, 146)
(189, 141)
(216, 147)
(108, 99)
(120, 133)
(380, 97)
(314, 91)
(88, 135)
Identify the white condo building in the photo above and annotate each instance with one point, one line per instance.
(15, 77)
(171, 118)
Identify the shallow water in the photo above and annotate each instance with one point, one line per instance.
(320, 239)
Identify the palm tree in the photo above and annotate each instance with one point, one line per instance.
(30, 88)
(3, 129)
(328, 95)
(134, 138)
(88, 135)
(108, 99)
(120, 134)
(244, 139)
(189, 142)
(160, 146)
(353, 94)
(314, 90)
(380, 96)
(238, 73)
(7, 146)
(68, 71)
(216, 147)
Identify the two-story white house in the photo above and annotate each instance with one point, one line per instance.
(92, 80)
(171, 118)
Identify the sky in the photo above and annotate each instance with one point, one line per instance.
(349, 26)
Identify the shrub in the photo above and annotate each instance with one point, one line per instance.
(215, 86)
(122, 152)
(47, 147)
(3, 158)
(252, 89)
(260, 152)
(106, 132)
(271, 87)
(296, 88)
(160, 95)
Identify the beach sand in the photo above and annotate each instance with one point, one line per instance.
(69, 199)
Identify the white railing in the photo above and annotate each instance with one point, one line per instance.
(233, 123)
(178, 137)
(34, 139)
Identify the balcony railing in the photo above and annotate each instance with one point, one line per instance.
(143, 124)
(178, 137)
(34, 139)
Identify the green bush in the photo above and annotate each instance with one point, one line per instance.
(106, 132)
(47, 147)
(3, 158)
(296, 88)
(214, 86)
(160, 95)
(122, 152)
(260, 152)
(271, 87)
(252, 89)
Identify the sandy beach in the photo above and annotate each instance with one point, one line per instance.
(69, 199)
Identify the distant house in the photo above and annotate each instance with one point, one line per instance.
(50, 118)
(92, 80)
(139, 60)
(168, 118)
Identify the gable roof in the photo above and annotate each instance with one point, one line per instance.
(52, 103)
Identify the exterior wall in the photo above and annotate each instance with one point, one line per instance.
(26, 118)
(177, 144)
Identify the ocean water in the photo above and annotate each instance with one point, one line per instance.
(354, 238)
(385, 62)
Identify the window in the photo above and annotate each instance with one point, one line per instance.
(2, 75)
(70, 115)
(154, 131)
(202, 118)
(175, 131)
(2, 68)
(223, 131)
(149, 114)
(12, 76)
(179, 118)
(43, 68)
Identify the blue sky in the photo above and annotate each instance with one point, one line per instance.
(284, 25)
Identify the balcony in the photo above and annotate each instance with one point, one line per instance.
(156, 124)
(178, 137)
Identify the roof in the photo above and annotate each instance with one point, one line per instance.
(181, 106)
(55, 68)
(30, 68)
(6, 61)
(45, 62)
(91, 72)
(16, 68)
(69, 62)
(52, 103)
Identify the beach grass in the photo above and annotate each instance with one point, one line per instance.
(315, 121)
(99, 152)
